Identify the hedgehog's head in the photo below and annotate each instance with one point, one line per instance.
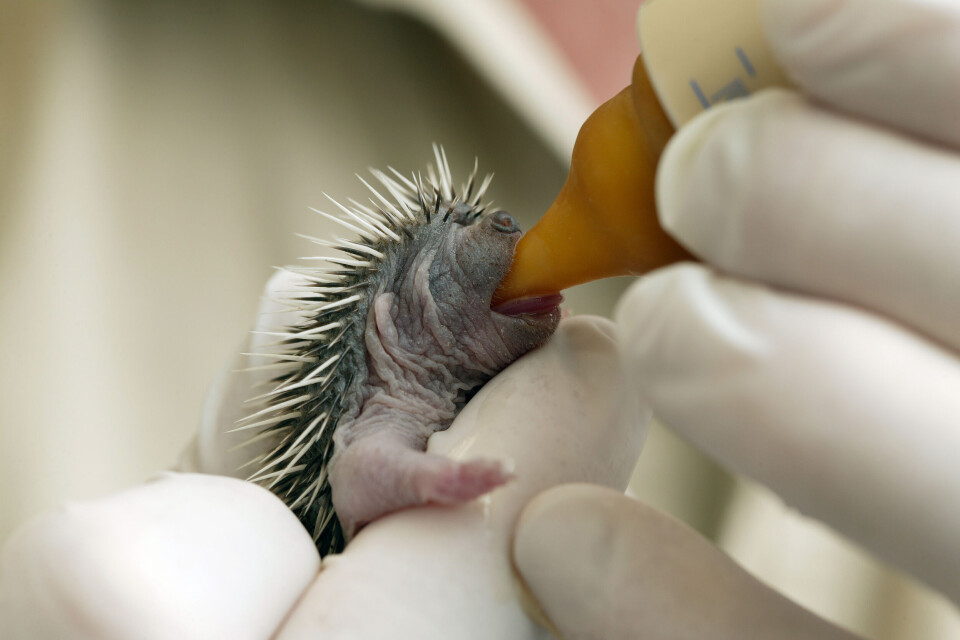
(440, 304)
(471, 261)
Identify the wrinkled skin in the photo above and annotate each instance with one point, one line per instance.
(430, 339)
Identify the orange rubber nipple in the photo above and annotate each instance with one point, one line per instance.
(604, 221)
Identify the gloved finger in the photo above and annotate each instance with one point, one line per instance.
(222, 446)
(896, 61)
(185, 556)
(605, 566)
(848, 417)
(562, 413)
(779, 190)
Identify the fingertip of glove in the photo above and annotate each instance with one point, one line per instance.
(572, 509)
(706, 174)
(805, 36)
(784, 19)
(586, 332)
(677, 165)
(642, 313)
(588, 323)
(563, 549)
(687, 320)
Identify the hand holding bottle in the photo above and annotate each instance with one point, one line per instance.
(816, 350)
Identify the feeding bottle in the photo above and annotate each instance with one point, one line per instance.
(695, 54)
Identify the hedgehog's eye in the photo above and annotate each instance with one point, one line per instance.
(503, 222)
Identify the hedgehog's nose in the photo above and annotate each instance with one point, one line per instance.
(504, 222)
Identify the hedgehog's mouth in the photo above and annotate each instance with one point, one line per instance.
(532, 306)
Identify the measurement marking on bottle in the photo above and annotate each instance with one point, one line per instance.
(699, 93)
(736, 88)
(745, 61)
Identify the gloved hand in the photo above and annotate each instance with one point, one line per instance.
(818, 349)
(207, 556)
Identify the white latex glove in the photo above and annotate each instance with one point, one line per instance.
(205, 556)
(816, 351)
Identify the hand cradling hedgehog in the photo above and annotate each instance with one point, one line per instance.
(394, 338)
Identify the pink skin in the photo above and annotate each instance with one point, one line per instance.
(535, 305)
(395, 476)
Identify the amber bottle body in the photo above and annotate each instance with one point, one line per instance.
(604, 221)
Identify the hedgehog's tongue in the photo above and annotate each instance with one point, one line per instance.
(536, 305)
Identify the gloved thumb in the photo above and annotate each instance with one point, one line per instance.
(601, 565)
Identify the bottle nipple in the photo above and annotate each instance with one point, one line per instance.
(604, 221)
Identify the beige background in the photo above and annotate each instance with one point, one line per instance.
(156, 158)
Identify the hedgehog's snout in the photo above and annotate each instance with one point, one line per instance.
(504, 222)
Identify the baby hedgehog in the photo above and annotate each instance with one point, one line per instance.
(396, 335)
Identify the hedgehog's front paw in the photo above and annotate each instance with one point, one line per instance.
(456, 482)
(380, 474)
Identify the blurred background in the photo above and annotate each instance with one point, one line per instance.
(157, 158)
